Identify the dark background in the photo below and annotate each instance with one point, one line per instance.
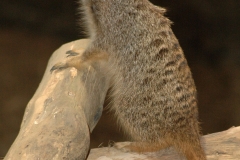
(208, 31)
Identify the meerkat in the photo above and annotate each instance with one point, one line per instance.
(153, 92)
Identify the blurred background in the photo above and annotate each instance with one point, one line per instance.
(208, 31)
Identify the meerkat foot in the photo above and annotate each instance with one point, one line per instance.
(123, 146)
(73, 60)
(140, 147)
(79, 61)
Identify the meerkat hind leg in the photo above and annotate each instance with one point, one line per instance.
(189, 145)
(192, 150)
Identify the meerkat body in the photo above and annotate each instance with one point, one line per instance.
(153, 93)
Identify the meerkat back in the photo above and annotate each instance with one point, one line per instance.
(154, 95)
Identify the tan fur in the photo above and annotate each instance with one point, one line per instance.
(154, 95)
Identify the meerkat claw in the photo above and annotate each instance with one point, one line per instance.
(58, 66)
(71, 53)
